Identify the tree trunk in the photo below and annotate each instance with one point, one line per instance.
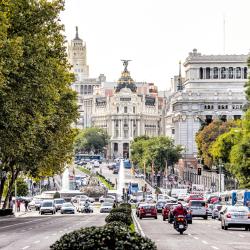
(12, 181)
(1, 188)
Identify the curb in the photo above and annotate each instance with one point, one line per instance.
(138, 228)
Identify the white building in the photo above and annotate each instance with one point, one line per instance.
(213, 88)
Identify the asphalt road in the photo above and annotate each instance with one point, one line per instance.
(38, 233)
(201, 235)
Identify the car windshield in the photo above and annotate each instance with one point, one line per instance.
(197, 204)
(47, 204)
(67, 205)
(218, 208)
(59, 201)
(160, 204)
(107, 204)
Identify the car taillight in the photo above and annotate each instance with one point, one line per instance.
(206, 206)
(249, 216)
(229, 216)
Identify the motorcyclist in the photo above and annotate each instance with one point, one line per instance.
(179, 210)
(86, 205)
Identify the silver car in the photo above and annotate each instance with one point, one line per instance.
(198, 208)
(235, 216)
(106, 207)
(216, 211)
(48, 206)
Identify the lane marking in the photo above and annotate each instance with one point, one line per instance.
(46, 237)
(21, 223)
(25, 247)
(54, 234)
(214, 247)
(204, 242)
(30, 228)
(36, 242)
(242, 236)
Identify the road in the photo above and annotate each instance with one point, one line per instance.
(201, 235)
(39, 232)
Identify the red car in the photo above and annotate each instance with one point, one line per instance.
(196, 197)
(147, 210)
(166, 209)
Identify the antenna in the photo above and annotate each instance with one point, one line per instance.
(224, 34)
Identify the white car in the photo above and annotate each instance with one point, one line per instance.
(216, 211)
(198, 208)
(48, 206)
(106, 207)
(235, 216)
(82, 197)
(102, 198)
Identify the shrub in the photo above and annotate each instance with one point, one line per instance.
(103, 238)
(117, 224)
(124, 210)
(4, 212)
(118, 216)
(57, 195)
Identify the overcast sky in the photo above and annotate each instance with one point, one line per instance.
(155, 34)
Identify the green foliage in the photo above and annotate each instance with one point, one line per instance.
(91, 140)
(156, 150)
(21, 186)
(121, 209)
(206, 137)
(118, 224)
(119, 216)
(103, 238)
(57, 195)
(37, 104)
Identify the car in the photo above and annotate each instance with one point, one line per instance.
(216, 211)
(148, 210)
(149, 197)
(106, 207)
(182, 197)
(166, 210)
(82, 197)
(111, 166)
(210, 208)
(102, 198)
(115, 171)
(199, 208)
(193, 197)
(67, 208)
(139, 175)
(58, 203)
(138, 206)
(235, 216)
(48, 206)
(96, 164)
(35, 204)
(160, 205)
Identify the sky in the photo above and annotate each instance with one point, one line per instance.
(155, 34)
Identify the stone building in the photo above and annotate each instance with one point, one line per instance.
(125, 115)
(213, 88)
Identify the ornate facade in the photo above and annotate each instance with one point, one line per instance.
(213, 89)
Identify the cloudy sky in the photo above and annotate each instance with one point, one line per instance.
(155, 34)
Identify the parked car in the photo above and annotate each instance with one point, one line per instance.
(48, 206)
(58, 203)
(148, 210)
(216, 211)
(198, 208)
(160, 205)
(67, 208)
(166, 210)
(235, 216)
(106, 207)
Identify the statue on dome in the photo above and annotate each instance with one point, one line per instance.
(125, 64)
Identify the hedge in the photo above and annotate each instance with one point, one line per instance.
(117, 224)
(124, 210)
(103, 238)
(125, 205)
(4, 212)
(118, 216)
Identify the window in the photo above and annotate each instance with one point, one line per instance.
(237, 117)
(173, 131)
(116, 123)
(81, 89)
(125, 110)
(223, 73)
(125, 132)
(201, 73)
(245, 73)
(115, 146)
(134, 110)
(231, 73)
(117, 109)
(207, 73)
(216, 73)
(238, 72)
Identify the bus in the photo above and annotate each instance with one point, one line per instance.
(88, 157)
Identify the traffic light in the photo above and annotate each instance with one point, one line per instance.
(199, 171)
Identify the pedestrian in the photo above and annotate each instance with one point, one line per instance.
(18, 204)
(26, 203)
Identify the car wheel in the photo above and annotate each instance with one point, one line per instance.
(156, 217)
(190, 222)
(246, 228)
(41, 213)
(213, 217)
(205, 217)
(225, 227)
(163, 218)
(140, 217)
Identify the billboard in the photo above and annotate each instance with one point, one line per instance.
(197, 188)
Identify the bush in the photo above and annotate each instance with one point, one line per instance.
(125, 205)
(118, 216)
(103, 238)
(57, 195)
(124, 210)
(4, 212)
(117, 224)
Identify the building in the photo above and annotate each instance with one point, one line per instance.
(126, 114)
(213, 88)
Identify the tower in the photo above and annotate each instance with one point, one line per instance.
(77, 56)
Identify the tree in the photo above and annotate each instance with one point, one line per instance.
(37, 105)
(91, 140)
(156, 150)
(206, 137)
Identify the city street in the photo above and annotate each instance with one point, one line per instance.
(201, 235)
(38, 233)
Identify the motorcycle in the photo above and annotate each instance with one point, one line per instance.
(87, 209)
(180, 224)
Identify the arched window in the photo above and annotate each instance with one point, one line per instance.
(230, 73)
(201, 73)
(117, 109)
(207, 73)
(216, 73)
(223, 73)
(245, 73)
(238, 72)
(125, 109)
